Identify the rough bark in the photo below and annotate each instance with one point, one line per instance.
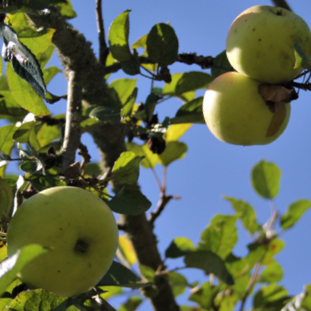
(76, 54)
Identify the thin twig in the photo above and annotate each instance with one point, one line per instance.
(250, 286)
(73, 115)
(164, 199)
(103, 48)
(281, 4)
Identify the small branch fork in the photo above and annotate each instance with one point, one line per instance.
(163, 201)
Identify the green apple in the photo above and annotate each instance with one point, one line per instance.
(78, 226)
(260, 43)
(236, 113)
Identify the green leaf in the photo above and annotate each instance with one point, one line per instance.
(220, 236)
(129, 202)
(37, 42)
(147, 272)
(25, 95)
(174, 150)
(66, 10)
(183, 83)
(266, 179)
(179, 247)
(9, 108)
(6, 200)
(43, 58)
(38, 299)
(162, 44)
(47, 134)
(102, 113)
(15, 263)
(294, 213)
(192, 81)
(23, 61)
(301, 60)
(118, 275)
(49, 73)
(123, 88)
(118, 37)
(178, 283)
(221, 65)
(26, 133)
(6, 142)
(129, 104)
(126, 168)
(150, 159)
(205, 295)
(175, 131)
(131, 304)
(246, 213)
(271, 296)
(273, 273)
(210, 263)
(190, 112)
(131, 67)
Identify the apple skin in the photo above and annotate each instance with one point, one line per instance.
(59, 217)
(260, 43)
(235, 112)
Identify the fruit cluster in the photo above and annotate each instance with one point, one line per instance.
(260, 47)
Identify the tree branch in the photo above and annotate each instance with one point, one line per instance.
(103, 49)
(76, 54)
(205, 62)
(164, 199)
(282, 4)
(72, 134)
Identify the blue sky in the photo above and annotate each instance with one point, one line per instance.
(212, 168)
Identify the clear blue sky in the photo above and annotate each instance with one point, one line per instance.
(211, 168)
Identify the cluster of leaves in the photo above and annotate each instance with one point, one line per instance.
(36, 139)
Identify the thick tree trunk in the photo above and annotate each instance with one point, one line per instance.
(76, 54)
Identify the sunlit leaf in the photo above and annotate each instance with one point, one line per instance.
(175, 131)
(179, 247)
(127, 250)
(126, 168)
(38, 299)
(174, 150)
(25, 95)
(271, 296)
(246, 213)
(118, 37)
(266, 179)
(273, 273)
(205, 295)
(294, 213)
(220, 236)
(14, 264)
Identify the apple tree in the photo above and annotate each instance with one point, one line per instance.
(129, 136)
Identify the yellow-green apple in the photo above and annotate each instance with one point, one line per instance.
(236, 113)
(78, 226)
(260, 43)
